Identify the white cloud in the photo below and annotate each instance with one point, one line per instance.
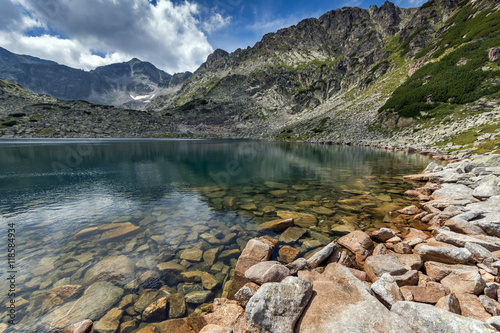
(169, 35)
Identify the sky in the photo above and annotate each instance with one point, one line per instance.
(174, 35)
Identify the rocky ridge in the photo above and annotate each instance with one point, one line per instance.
(130, 84)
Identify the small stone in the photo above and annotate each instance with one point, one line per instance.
(177, 306)
(128, 326)
(276, 225)
(491, 290)
(410, 210)
(209, 256)
(256, 250)
(410, 278)
(323, 211)
(402, 248)
(193, 254)
(288, 254)
(300, 219)
(250, 206)
(208, 281)
(150, 280)
(379, 250)
(198, 297)
(156, 311)
(376, 266)
(490, 305)
(81, 327)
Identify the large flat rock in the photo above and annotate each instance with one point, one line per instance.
(342, 303)
(424, 318)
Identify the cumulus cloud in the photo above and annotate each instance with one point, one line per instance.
(86, 34)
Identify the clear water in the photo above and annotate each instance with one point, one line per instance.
(183, 194)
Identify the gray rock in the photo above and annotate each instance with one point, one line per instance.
(276, 307)
(490, 305)
(245, 293)
(297, 265)
(490, 223)
(444, 254)
(453, 194)
(479, 253)
(95, 302)
(424, 318)
(462, 226)
(267, 271)
(491, 290)
(488, 187)
(321, 255)
(410, 278)
(387, 290)
(450, 237)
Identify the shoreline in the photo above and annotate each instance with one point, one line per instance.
(451, 268)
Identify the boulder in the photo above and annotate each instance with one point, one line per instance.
(226, 313)
(267, 271)
(383, 234)
(444, 254)
(450, 237)
(449, 303)
(118, 270)
(208, 281)
(376, 266)
(480, 254)
(453, 194)
(424, 318)
(276, 307)
(409, 278)
(356, 239)
(464, 282)
(246, 292)
(257, 250)
(429, 293)
(439, 271)
(110, 322)
(342, 303)
(471, 307)
(490, 305)
(387, 290)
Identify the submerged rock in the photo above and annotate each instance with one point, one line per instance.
(119, 270)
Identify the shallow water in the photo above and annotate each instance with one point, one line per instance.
(174, 195)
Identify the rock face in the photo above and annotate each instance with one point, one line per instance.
(426, 318)
(276, 307)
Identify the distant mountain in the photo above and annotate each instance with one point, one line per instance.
(352, 74)
(130, 84)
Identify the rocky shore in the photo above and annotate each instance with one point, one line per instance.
(439, 274)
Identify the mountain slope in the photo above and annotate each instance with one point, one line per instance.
(326, 79)
(130, 84)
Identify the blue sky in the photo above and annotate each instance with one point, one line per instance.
(174, 35)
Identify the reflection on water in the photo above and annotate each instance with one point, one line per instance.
(168, 218)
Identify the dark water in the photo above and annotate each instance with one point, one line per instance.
(182, 194)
